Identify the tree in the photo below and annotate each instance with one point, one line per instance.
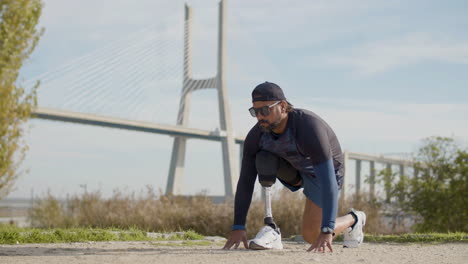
(438, 193)
(18, 38)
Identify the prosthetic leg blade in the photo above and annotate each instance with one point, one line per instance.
(269, 237)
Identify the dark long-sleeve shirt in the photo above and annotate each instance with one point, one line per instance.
(310, 145)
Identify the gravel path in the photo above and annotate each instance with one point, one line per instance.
(293, 252)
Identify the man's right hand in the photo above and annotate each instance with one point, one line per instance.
(235, 238)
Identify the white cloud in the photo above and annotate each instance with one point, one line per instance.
(106, 12)
(386, 55)
(389, 122)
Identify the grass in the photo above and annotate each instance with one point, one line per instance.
(15, 235)
(189, 235)
(419, 238)
(160, 213)
(123, 217)
(457, 237)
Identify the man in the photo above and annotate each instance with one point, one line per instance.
(285, 138)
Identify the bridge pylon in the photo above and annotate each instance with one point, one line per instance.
(230, 163)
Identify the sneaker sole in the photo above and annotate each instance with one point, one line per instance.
(353, 244)
(256, 246)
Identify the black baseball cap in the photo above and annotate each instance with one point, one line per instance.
(268, 91)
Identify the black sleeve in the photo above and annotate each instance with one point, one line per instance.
(248, 175)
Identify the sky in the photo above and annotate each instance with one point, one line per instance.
(383, 74)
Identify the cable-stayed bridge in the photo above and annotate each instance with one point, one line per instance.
(130, 83)
(121, 79)
(118, 85)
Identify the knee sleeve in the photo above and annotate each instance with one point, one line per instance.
(269, 166)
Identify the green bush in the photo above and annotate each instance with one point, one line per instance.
(438, 190)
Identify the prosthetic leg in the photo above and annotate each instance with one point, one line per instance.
(269, 236)
(266, 185)
(269, 167)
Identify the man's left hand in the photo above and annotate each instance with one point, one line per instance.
(322, 242)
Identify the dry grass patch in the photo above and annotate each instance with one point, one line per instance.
(159, 213)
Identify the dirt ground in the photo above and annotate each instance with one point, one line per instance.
(293, 252)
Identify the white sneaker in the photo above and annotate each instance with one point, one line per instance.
(267, 238)
(352, 238)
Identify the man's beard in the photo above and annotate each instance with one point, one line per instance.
(270, 126)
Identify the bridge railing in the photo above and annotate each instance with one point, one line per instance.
(359, 158)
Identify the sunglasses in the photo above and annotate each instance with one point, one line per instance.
(264, 110)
